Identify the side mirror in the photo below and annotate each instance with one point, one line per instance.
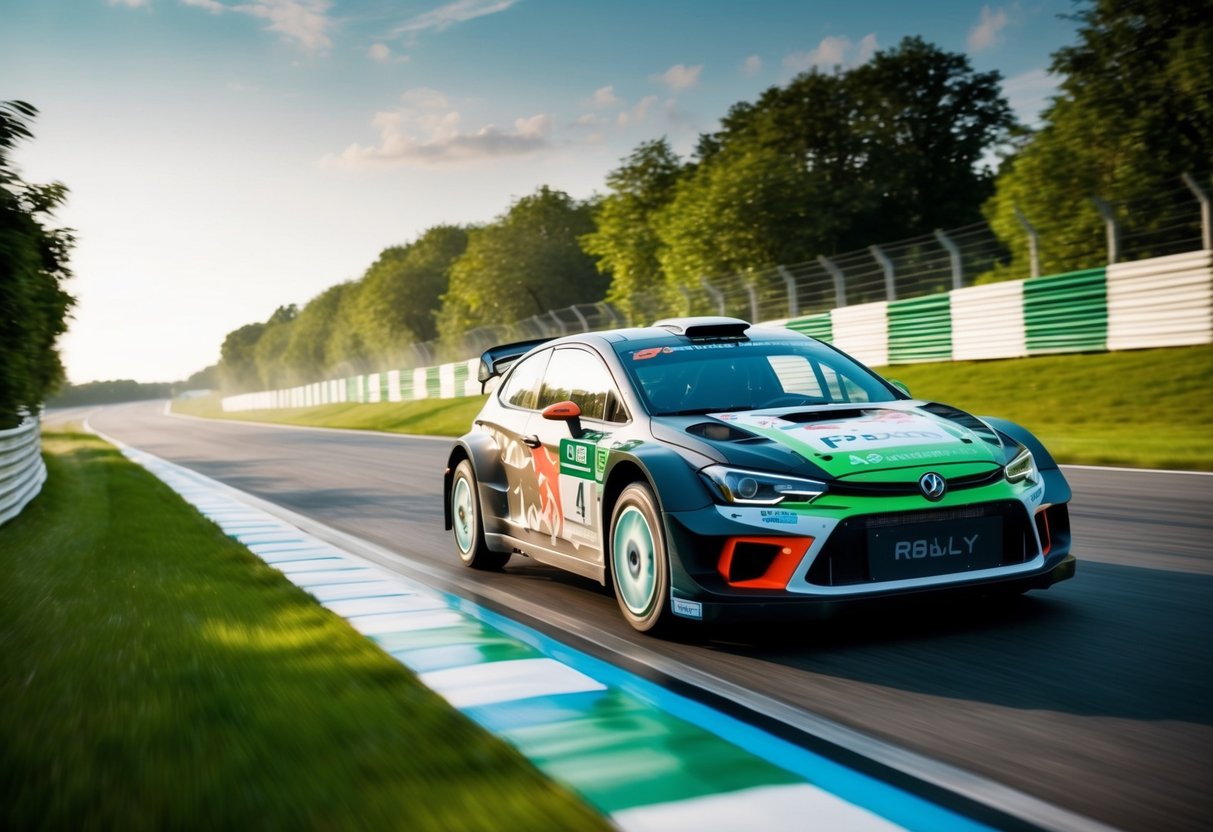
(900, 385)
(565, 412)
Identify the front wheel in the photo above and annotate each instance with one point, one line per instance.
(467, 524)
(640, 570)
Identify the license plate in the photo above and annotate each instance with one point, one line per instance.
(918, 550)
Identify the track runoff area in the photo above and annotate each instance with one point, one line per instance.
(645, 756)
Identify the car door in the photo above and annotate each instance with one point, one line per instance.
(569, 468)
(509, 422)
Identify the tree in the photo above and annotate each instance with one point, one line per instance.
(1135, 111)
(307, 350)
(834, 162)
(237, 358)
(402, 291)
(525, 263)
(625, 241)
(33, 265)
(270, 350)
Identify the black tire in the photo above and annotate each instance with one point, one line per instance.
(467, 524)
(640, 567)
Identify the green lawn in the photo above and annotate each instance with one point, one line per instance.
(156, 674)
(1147, 408)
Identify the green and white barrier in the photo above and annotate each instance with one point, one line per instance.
(1162, 302)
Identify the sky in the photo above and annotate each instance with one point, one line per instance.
(226, 157)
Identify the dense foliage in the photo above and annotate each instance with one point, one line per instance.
(33, 267)
(109, 392)
(1134, 113)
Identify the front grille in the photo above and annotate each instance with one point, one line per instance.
(901, 489)
(843, 561)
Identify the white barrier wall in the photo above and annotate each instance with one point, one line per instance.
(1164, 302)
(987, 322)
(22, 471)
(863, 332)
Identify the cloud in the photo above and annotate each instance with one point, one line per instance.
(638, 113)
(426, 132)
(383, 54)
(678, 77)
(1029, 94)
(751, 66)
(602, 99)
(835, 50)
(305, 22)
(985, 33)
(444, 17)
(867, 48)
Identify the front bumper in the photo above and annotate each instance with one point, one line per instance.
(701, 592)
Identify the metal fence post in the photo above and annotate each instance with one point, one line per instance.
(753, 293)
(715, 294)
(793, 299)
(686, 296)
(1033, 243)
(585, 325)
(954, 256)
(1206, 232)
(890, 288)
(840, 280)
(1109, 218)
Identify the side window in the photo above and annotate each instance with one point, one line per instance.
(521, 389)
(581, 377)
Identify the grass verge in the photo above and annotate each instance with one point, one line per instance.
(1145, 408)
(156, 674)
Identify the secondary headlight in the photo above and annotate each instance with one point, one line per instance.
(1022, 467)
(756, 488)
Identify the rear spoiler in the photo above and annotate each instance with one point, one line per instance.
(496, 360)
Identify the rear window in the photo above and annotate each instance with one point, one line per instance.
(749, 375)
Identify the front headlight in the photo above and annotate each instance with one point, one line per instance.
(1022, 467)
(756, 488)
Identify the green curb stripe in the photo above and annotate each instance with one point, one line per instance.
(640, 753)
(621, 753)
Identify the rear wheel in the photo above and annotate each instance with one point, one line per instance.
(640, 570)
(467, 524)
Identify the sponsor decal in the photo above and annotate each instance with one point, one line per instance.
(1035, 494)
(651, 352)
(870, 459)
(575, 458)
(687, 609)
(778, 516)
(600, 461)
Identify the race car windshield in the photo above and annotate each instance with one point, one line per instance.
(747, 375)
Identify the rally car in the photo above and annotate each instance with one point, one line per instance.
(709, 469)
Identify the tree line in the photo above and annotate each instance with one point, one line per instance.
(33, 266)
(828, 163)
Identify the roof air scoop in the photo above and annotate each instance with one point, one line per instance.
(705, 327)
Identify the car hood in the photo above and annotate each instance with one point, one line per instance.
(865, 441)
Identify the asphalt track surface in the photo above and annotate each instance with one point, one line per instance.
(1095, 696)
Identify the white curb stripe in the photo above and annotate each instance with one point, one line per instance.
(769, 808)
(505, 681)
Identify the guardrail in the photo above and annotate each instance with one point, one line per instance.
(22, 471)
(1161, 302)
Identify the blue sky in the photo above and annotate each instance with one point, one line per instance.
(229, 156)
